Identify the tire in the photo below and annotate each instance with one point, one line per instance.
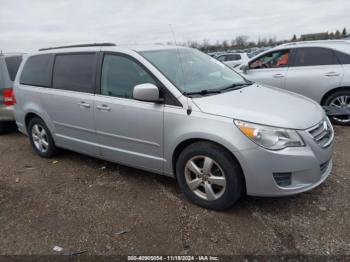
(335, 99)
(7, 127)
(40, 137)
(2, 128)
(223, 166)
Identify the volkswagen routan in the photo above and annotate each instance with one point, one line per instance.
(174, 111)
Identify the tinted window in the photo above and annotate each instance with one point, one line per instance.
(314, 57)
(222, 58)
(120, 74)
(75, 72)
(233, 57)
(13, 64)
(343, 58)
(271, 60)
(37, 71)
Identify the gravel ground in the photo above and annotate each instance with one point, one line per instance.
(84, 204)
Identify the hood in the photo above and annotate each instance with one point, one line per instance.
(264, 105)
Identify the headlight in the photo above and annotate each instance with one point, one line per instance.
(273, 138)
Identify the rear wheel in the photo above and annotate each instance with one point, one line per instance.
(2, 128)
(41, 138)
(340, 99)
(6, 127)
(209, 176)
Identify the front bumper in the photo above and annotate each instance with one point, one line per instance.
(6, 113)
(308, 167)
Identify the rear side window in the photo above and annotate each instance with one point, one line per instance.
(37, 71)
(314, 56)
(13, 64)
(343, 58)
(75, 72)
(233, 57)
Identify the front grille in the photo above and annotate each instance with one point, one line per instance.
(322, 133)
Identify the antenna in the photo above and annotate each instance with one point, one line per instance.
(189, 107)
(172, 31)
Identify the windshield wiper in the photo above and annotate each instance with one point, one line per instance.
(203, 92)
(237, 86)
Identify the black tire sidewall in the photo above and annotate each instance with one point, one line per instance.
(328, 101)
(229, 165)
(52, 150)
(2, 128)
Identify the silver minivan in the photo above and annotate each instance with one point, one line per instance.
(177, 112)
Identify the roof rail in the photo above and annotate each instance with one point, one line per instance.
(72, 46)
(329, 41)
(12, 53)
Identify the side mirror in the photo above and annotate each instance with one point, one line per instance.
(147, 92)
(245, 68)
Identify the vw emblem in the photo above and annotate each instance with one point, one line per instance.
(325, 126)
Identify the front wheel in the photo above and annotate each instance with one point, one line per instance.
(209, 176)
(340, 99)
(41, 138)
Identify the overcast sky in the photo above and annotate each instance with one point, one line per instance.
(26, 25)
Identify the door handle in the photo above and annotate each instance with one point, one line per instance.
(103, 107)
(330, 74)
(278, 75)
(83, 104)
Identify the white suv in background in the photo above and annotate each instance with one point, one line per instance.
(233, 59)
(319, 70)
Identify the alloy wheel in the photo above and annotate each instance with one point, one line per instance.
(40, 138)
(342, 101)
(205, 178)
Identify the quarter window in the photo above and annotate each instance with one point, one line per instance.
(314, 56)
(37, 71)
(222, 58)
(271, 60)
(343, 58)
(120, 75)
(75, 72)
(13, 64)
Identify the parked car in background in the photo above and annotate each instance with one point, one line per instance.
(233, 59)
(178, 112)
(258, 51)
(319, 70)
(9, 64)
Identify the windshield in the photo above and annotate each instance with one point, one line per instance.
(193, 71)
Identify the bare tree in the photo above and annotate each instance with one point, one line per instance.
(241, 40)
(344, 33)
(337, 34)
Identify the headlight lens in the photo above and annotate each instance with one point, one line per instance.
(273, 138)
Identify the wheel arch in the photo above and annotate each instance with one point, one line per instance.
(29, 116)
(331, 92)
(185, 143)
